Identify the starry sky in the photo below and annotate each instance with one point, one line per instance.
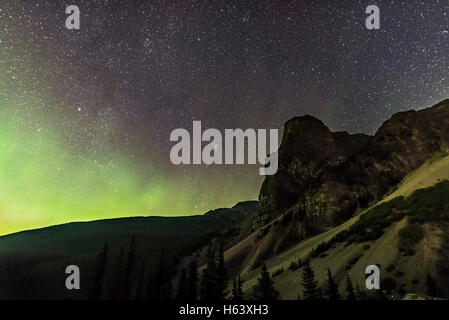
(86, 115)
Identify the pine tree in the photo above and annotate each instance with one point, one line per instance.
(332, 287)
(182, 294)
(161, 278)
(208, 285)
(221, 274)
(166, 291)
(350, 295)
(115, 288)
(129, 270)
(150, 290)
(237, 292)
(359, 295)
(192, 284)
(432, 289)
(264, 289)
(310, 285)
(100, 270)
(139, 294)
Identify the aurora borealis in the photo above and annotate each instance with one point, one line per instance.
(74, 161)
(45, 181)
(85, 115)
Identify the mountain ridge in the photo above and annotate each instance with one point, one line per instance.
(336, 184)
(352, 180)
(282, 238)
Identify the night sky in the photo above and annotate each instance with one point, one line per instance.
(86, 115)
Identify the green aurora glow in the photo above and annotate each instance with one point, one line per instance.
(58, 165)
(43, 182)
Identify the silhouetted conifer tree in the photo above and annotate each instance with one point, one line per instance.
(192, 284)
(221, 274)
(182, 294)
(100, 270)
(350, 295)
(151, 292)
(166, 291)
(332, 287)
(360, 295)
(237, 291)
(432, 289)
(208, 285)
(310, 285)
(139, 294)
(163, 284)
(129, 270)
(264, 289)
(115, 288)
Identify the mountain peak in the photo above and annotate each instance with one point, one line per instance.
(351, 170)
(305, 125)
(308, 150)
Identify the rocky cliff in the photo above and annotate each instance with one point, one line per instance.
(325, 177)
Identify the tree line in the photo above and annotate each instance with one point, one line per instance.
(265, 290)
(130, 278)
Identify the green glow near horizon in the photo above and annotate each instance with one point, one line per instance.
(45, 181)
(42, 183)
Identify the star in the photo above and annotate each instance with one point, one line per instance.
(135, 71)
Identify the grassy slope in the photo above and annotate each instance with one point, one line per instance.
(88, 237)
(32, 263)
(151, 232)
(383, 251)
(431, 172)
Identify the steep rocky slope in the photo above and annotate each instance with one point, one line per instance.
(404, 266)
(326, 177)
(308, 151)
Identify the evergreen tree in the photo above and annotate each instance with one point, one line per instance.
(432, 289)
(332, 287)
(237, 292)
(161, 278)
(150, 291)
(160, 275)
(264, 289)
(166, 292)
(350, 295)
(208, 285)
(129, 269)
(310, 285)
(100, 270)
(192, 284)
(139, 294)
(115, 288)
(161, 288)
(360, 295)
(182, 294)
(221, 274)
